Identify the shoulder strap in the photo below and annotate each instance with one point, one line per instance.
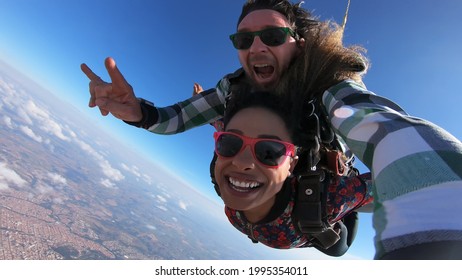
(310, 206)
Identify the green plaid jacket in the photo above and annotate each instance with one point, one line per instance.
(416, 166)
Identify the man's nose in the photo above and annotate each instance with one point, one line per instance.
(258, 45)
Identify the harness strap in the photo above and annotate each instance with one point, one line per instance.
(310, 209)
(311, 203)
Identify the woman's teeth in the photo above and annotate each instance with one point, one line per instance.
(243, 185)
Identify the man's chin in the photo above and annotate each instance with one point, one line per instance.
(264, 84)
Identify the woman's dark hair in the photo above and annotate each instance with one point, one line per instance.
(277, 104)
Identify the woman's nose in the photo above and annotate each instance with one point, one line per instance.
(244, 159)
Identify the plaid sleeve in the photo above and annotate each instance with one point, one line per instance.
(203, 108)
(416, 167)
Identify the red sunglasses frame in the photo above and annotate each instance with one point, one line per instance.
(249, 141)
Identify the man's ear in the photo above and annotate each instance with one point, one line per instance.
(301, 43)
(300, 46)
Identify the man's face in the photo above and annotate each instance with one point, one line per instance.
(265, 64)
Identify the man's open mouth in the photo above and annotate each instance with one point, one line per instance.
(263, 70)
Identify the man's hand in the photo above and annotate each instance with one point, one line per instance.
(116, 97)
(197, 88)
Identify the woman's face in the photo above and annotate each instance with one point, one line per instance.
(246, 184)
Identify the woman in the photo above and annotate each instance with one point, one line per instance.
(257, 154)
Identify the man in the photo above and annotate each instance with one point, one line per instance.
(415, 165)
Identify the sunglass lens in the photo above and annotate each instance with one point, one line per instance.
(270, 152)
(228, 145)
(273, 37)
(242, 40)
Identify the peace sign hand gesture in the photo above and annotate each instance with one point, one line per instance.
(116, 97)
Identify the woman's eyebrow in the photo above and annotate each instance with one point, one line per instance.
(267, 136)
(237, 131)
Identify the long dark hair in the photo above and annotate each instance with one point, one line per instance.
(323, 60)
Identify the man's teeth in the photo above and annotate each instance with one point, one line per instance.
(264, 70)
(240, 184)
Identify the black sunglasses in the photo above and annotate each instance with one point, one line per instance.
(269, 152)
(272, 37)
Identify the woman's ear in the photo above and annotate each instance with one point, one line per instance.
(293, 163)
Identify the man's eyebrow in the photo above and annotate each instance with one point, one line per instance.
(246, 29)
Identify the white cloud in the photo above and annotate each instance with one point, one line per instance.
(47, 124)
(57, 179)
(35, 118)
(125, 167)
(8, 122)
(86, 147)
(35, 111)
(7, 88)
(3, 185)
(151, 227)
(70, 131)
(9, 95)
(23, 115)
(147, 179)
(161, 186)
(50, 146)
(107, 183)
(54, 128)
(27, 110)
(161, 207)
(8, 175)
(44, 188)
(29, 132)
(161, 199)
(183, 205)
(110, 172)
(134, 169)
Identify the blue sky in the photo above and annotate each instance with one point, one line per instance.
(162, 47)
